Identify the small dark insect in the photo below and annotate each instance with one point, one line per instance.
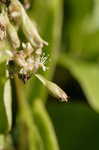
(24, 77)
(6, 2)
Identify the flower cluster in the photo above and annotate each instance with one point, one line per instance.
(25, 63)
(24, 58)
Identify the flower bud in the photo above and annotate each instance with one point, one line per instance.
(27, 25)
(28, 49)
(12, 33)
(53, 88)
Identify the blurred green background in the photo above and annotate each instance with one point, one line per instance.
(76, 123)
(71, 28)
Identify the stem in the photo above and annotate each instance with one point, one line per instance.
(6, 142)
(2, 141)
(35, 141)
(45, 126)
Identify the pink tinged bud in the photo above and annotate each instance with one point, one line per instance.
(53, 88)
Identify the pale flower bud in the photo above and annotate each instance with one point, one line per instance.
(12, 33)
(28, 49)
(53, 88)
(27, 25)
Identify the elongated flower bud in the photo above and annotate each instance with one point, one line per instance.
(27, 25)
(12, 33)
(53, 88)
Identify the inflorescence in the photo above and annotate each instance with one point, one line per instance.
(24, 59)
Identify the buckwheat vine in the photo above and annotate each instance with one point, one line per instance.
(24, 59)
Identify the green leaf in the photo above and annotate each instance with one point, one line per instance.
(5, 101)
(76, 125)
(87, 75)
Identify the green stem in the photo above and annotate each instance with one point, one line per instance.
(6, 142)
(35, 141)
(2, 141)
(45, 126)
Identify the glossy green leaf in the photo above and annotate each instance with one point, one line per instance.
(87, 75)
